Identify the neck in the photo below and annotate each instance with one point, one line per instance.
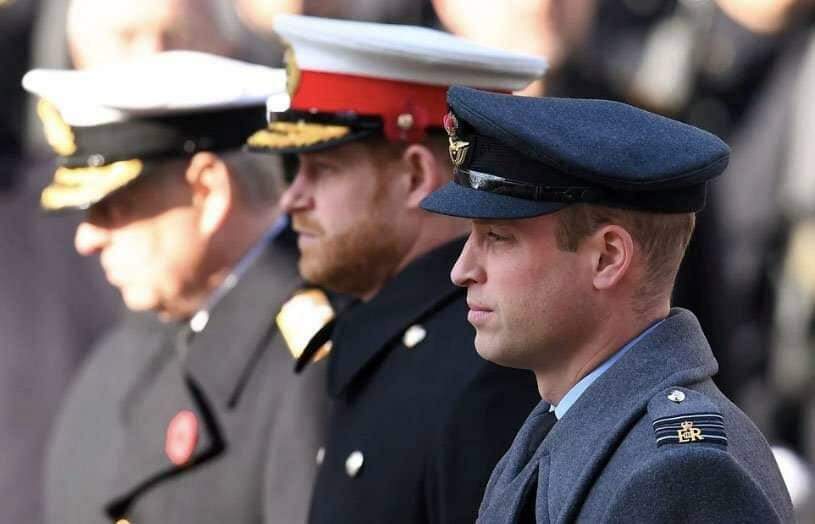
(225, 249)
(611, 334)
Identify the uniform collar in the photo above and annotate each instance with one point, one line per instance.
(220, 357)
(564, 466)
(367, 329)
(674, 353)
(198, 322)
(577, 390)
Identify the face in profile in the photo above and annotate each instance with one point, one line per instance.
(149, 244)
(347, 217)
(523, 292)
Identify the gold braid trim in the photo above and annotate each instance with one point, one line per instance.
(83, 186)
(58, 133)
(295, 134)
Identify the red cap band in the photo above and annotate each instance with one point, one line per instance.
(407, 108)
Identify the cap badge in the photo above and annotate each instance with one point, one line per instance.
(292, 70)
(182, 437)
(57, 132)
(458, 148)
(451, 123)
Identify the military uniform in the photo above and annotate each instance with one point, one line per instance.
(644, 436)
(419, 419)
(111, 456)
(660, 431)
(413, 432)
(202, 421)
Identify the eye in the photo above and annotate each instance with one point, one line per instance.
(497, 237)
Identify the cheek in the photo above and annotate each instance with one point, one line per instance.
(536, 295)
(129, 249)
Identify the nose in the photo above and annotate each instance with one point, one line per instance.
(467, 270)
(297, 196)
(90, 238)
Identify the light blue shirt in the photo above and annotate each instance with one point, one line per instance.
(573, 394)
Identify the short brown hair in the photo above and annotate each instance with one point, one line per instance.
(662, 237)
(384, 151)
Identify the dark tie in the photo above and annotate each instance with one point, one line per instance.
(545, 424)
(536, 435)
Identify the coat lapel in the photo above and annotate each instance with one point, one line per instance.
(366, 330)
(220, 358)
(674, 353)
(158, 395)
(208, 381)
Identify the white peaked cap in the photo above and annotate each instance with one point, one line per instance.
(406, 53)
(350, 80)
(160, 84)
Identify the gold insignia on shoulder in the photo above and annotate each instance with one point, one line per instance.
(800, 263)
(280, 135)
(292, 70)
(57, 132)
(689, 433)
(301, 318)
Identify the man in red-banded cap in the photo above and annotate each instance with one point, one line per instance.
(419, 419)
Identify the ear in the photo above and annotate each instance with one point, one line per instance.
(612, 252)
(424, 173)
(213, 193)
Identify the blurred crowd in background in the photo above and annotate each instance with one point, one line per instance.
(743, 69)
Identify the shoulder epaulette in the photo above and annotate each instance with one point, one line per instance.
(684, 417)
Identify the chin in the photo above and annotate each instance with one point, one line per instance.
(498, 353)
(138, 301)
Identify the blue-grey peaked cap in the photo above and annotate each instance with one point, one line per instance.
(569, 151)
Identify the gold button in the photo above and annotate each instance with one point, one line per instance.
(122, 521)
(354, 463)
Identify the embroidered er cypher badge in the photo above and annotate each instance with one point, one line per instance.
(691, 428)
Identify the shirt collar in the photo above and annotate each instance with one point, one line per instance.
(574, 393)
(200, 319)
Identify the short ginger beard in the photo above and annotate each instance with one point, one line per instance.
(356, 262)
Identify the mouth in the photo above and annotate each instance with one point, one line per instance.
(306, 232)
(305, 238)
(478, 314)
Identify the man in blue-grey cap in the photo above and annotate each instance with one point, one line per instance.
(582, 210)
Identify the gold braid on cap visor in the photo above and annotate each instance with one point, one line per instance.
(280, 135)
(84, 186)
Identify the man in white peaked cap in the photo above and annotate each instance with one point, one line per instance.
(419, 420)
(189, 410)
